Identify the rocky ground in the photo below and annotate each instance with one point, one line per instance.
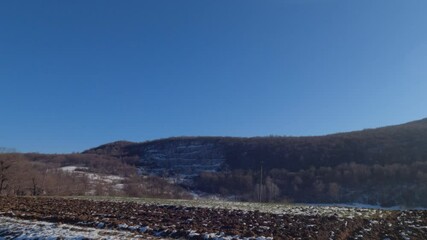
(202, 222)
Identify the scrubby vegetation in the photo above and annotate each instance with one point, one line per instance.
(43, 174)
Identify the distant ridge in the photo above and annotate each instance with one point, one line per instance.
(403, 143)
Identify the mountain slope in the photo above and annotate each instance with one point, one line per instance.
(386, 166)
(405, 143)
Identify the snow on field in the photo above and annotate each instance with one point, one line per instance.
(365, 206)
(275, 208)
(11, 228)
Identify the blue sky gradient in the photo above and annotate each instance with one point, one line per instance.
(77, 74)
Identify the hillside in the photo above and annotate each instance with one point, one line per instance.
(386, 165)
(383, 166)
(406, 143)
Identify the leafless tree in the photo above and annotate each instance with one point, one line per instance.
(4, 166)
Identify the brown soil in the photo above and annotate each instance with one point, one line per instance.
(179, 221)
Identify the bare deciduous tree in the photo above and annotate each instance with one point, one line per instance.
(4, 166)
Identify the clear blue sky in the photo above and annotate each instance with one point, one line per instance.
(77, 74)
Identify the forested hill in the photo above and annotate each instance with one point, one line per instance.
(403, 144)
(386, 166)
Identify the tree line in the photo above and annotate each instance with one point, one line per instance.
(387, 185)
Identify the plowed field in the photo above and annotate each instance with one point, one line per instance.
(221, 222)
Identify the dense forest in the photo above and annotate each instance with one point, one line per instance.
(386, 185)
(403, 144)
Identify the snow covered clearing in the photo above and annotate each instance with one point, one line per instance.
(114, 180)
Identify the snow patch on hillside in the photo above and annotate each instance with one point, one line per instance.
(181, 161)
(72, 168)
(114, 180)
